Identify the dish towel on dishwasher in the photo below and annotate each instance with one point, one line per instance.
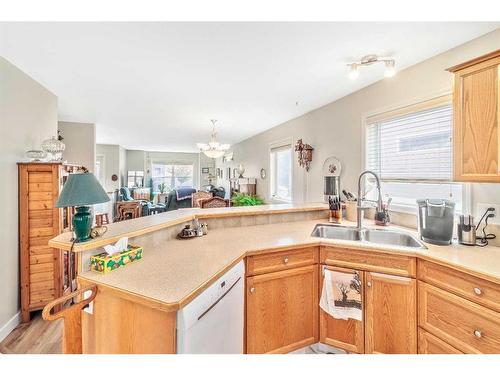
(341, 295)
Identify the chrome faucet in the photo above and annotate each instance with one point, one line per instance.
(360, 208)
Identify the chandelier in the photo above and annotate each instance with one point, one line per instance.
(213, 149)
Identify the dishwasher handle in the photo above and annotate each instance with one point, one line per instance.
(219, 299)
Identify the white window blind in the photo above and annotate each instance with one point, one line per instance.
(412, 147)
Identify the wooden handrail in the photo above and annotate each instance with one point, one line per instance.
(72, 336)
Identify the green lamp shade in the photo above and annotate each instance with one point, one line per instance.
(81, 189)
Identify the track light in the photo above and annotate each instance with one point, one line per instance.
(354, 73)
(390, 70)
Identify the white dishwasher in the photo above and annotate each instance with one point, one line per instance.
(213, 322)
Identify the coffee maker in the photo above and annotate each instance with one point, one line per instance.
(435, 220)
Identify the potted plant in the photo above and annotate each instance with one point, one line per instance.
(246, 200)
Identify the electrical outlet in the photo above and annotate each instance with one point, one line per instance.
(481, 209)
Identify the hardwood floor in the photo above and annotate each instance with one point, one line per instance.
(37, 337)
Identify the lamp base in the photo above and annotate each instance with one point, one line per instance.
(82, 223)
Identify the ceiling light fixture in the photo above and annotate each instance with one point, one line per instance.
(213, 149)
(390, 69)
(354, 72)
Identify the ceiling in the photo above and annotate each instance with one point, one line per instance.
(155, 86)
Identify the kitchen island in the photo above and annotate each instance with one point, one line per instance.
(135, 308)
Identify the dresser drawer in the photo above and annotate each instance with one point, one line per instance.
(282, 260)
(369, 260)
(473, 288)
(465, 325)
(430, 344)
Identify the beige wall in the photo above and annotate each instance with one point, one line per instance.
(28, 115)
(336, 129)
(112, 163)
(80, 143)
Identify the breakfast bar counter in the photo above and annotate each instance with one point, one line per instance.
(172, 273)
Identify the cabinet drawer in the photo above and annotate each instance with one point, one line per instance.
(473, 288)
(282, 260)
(430, 344)
(369, 260)
(465, 325)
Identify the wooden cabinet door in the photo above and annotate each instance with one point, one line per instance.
(476, 105)
(390, 314)
(282, 310)
(339, 333)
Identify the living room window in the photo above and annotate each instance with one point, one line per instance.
(411, 150)
(172, 175)
(281, 172)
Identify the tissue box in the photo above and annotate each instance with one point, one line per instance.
(104, 263)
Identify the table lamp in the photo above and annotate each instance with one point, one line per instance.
(82, 190)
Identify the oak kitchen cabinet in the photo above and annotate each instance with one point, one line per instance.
(459, 311)
(476, 112)
(388, 299)
(348, 334)
(282, 306)
(390, 314)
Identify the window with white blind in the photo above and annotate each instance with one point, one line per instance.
(172, 176)
(411, 151)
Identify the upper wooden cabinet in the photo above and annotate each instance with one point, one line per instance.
(476, 106)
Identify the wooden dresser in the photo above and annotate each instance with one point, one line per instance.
(45, 273)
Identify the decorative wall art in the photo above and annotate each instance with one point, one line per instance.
(304, 153)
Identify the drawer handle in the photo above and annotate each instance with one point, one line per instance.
(478, 334)
(285, 260)
(252, 290)
(478, 291)
(369, 284)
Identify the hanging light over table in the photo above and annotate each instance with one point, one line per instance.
(213, 149)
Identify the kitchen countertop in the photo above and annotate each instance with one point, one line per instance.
(174, 273)
(148, 224)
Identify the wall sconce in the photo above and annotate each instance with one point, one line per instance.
(304, 153)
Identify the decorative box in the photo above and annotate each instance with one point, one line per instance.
(104, 263)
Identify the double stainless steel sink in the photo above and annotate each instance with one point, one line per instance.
(374, 236)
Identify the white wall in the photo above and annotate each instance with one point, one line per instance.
(80, 143)
(28, 115)
(336, 128)
(122, 166)
(112, 163)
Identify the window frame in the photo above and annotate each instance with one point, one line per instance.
(171, 163)
(402, 109)
(273, 146)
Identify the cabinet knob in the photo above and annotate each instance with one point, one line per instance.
(285, 260)
(369, 284)
(478, 334)
(478, 291)
(252, 289)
